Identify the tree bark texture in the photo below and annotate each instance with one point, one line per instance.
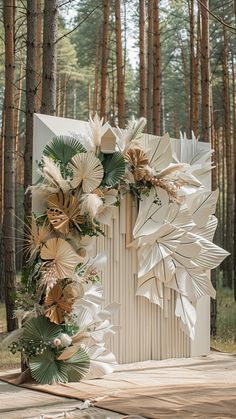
(119, 68)
(142, 60)
(105, 54)
(205, 64)
(31, 91)
(156, 71)
(229, 164)
(9, 166)
(150, 68)
(48, 105)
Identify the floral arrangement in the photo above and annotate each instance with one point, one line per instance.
(62, 326)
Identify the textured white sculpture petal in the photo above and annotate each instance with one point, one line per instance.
(151, 214)
(151, 288)
(187, 312)
(165, 269)
(179, 282)
(157, 246)
(211, 255)
(201, 284)
(102, 362)
(187, 251)
(179, 216)
(208, 230)
(201, 205)
(160, 153)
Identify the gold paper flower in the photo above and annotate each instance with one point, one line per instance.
(87, 171)
(63, 255)
(63, 209)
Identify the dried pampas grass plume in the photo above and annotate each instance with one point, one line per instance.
(91, 204)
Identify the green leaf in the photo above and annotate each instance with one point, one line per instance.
(40, 329)
(45, 369)
(61, 149)
(114, 168)
(78, 365)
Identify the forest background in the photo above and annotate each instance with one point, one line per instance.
(172, 62)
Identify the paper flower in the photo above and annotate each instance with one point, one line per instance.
(58, 304)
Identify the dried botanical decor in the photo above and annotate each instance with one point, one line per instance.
(59, 304)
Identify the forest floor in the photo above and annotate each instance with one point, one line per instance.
(225, 341)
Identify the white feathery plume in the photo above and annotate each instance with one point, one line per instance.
(90, 204)
(96, 128)
(52, 174)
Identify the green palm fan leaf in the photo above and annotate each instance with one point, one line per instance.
(61, 149)
(78, 365)
(40, 329)
(45, 369)
(114, 168)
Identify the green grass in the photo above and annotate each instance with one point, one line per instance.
(7, 359)
(225, 340)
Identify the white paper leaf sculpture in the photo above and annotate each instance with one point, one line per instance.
(208, 230)
(102, 362)
(151, 288)
(165, 269)
(180, 217)
(187, 312)
(153, 210)
(200, 284)
(187, 251)
(211, 255)
(87, 171)
(157, 246)
(160, 153)
(201, 205)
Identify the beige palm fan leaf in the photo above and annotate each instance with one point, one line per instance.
(35, 237)
(63, 256)
(138, 160)
(62, 210)
(87, 171)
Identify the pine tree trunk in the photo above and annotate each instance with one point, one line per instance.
(9, 166)
(192, 77)
(96, 75)
(18, 168)
(105, 53)
(156, 71)
(39, 55)
(2, 296)
(229, 164)
(195, 126)
(150, 69)
(187, 89)
(142, 60)
(234, 142)
(119, 68)
(30, 98)
(48, 105)
(205, 64)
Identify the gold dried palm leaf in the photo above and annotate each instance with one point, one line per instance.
(57, 304)
(87, 171)
(63, 208)
(35, 236)
(136, 157)
(63, 255)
